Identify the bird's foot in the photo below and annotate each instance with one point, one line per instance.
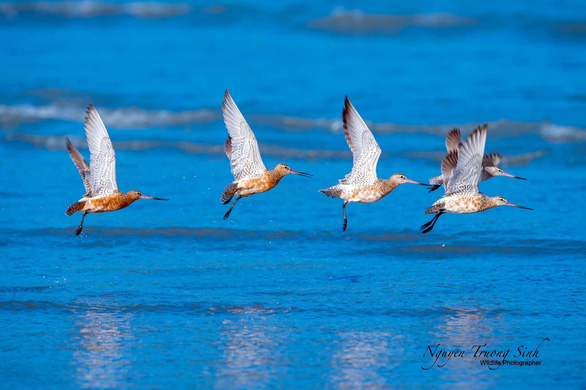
(434, 187)
(427, 230)
(426, 224)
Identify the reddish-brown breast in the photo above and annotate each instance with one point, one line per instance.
(264, 183)
(116, 201)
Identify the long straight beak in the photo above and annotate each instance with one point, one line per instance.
(150, 197)
(416, 182)
(514, 205)
(514, 177)
(300, 173)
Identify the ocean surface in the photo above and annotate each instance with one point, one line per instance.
(169, 295)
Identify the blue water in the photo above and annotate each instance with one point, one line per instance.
(169, 295)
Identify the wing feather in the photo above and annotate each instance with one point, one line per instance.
(448, 165)
(454, 140)
(492, 160)
(82, 166)
(103, 158)
(465, 176)
(365, 149)
(243, 151)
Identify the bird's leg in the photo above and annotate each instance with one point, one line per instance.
(78, 231)
(229, 211)
(431, 223)
(345, 219)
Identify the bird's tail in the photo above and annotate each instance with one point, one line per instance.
(435, 208)
(332, 192)
(229, 192)
(74, 208)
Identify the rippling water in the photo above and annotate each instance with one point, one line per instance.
(168, 294)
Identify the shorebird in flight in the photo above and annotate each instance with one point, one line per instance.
(250, 174)
(490, 162)
(461, 171)
(362, 184)
(99, 177)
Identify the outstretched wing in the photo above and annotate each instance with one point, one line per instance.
(492, 160)
(467, 172)
(448, 165)
(241, 146)
(103, 158)
(365, 149)
(82, 166)
(454, 140)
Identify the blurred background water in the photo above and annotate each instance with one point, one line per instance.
(168, 294)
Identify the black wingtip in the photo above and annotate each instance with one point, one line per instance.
(345, 111)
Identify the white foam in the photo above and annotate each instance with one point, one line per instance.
(76, 9)
(356, 21)
(122, 118)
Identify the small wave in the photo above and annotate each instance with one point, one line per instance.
(54, 142)
(504, 127)
(12, 116)
(562, 134)
(86, 9)
(199, 308)
(122, 118)
(510, 160)
(358, 22)
(575, 28)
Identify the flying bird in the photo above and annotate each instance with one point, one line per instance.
(250, 174)
(99, 176)
(461, 170)
(362, 184)
(490, 162)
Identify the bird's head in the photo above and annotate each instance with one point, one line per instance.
(283, 170)
(496, 171)
(399, 178)
(500, 201)
(135, 195)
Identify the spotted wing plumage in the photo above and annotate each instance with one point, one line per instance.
(454, 140)
(241, 146)
(466, 174)
(82, 166)
(492, 160)
(365, 149)
(103, 158)
(449, 163)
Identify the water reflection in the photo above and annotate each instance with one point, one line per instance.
(365, 359)
(252, 350)
(102, 357)
(460, 330)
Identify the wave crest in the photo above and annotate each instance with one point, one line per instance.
(358, 22)
(86, 9)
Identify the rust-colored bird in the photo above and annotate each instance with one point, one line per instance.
(362, 184)
(490, 162)
(461, 170)
(250, 174)
(99, 177)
